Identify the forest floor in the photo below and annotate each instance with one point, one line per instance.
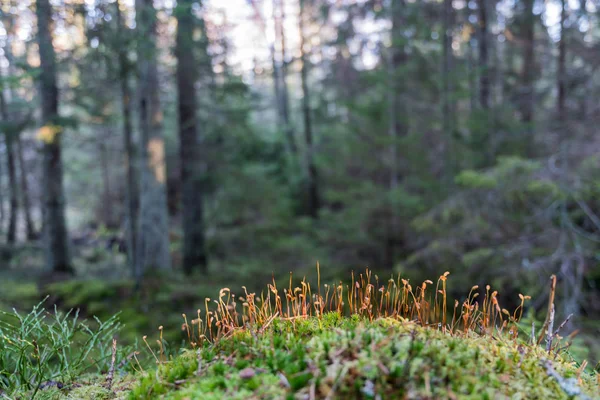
(335, 357)
(283, 343)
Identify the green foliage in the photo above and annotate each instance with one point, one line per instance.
(40, 348)
(474, 179)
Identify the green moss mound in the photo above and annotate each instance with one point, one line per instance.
(348, 358)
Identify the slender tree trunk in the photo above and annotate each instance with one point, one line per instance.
(561, 74)
(153, 224)
(55, 226)
(129, 147)
(312, 176)
(9, 137)
(11, 234)
(24, 189)
(277, 88)
(587, 99)
(472, 78)
(484, 77)
(528, 70)
(448, 110)
(25, 195)
(447, 65)
(192, 213)
(397, 127)
(2, 216)
(107, 193)
(285, 98)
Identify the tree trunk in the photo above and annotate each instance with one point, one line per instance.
(2, 216)
(192, 213)
(11, 234)
(448, 111)
(9, 137)
(312, 176)
(153, 224)
(107, 194)
(528, 31)
(561, 73)
(129, 148)
(472, 76)
(25, 196)
(285, 98)
(484, 77)
(277, 90)
(55, 226)
(397, 123)
(16, 141)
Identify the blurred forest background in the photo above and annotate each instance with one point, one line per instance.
(154, 151)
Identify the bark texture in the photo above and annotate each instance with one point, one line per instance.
(55, 226)
(314, 202)
(562, 55)
(152, 246)
(484, 73)
(25, 193)
(133, 195)
(13, 185)
(192, 212)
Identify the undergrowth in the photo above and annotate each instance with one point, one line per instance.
(42, 350)
(369, 338)
(366, 339)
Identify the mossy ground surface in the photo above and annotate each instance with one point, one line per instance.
(348, 358)
(331, 357)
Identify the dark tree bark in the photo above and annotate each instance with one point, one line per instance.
(484, 77)
(2, 215)
(277, 86)
(561, 73)
(15, 140)
(13, 185)
(472, 78)
(528, 32)
(153, 222)
(192, 213)
(107, 206)
(312, 176)
(448, 109)
(128, 146)
(397, 124)
(55, 226)
(285, 98)
(25, 195)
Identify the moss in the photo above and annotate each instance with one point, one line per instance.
(354, 358)
(90, 392)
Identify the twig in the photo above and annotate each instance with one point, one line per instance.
(338, 379)
(199, 358)
(549, 333)
(266, 325)
(111, 370)
(126, 359)
(566, 321)
(550, 306)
